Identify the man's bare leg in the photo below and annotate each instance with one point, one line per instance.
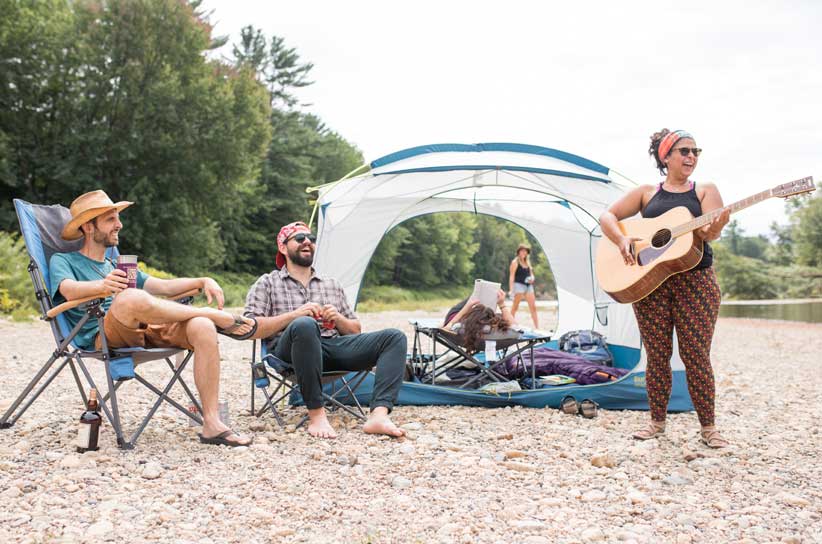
(318, 424)
(134, 306)
(203, 337)
(379, 423)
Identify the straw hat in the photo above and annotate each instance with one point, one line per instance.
(525, 247)
(85, 208)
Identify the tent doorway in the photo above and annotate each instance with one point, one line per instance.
(430, 262)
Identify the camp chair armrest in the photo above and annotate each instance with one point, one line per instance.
(68, 305)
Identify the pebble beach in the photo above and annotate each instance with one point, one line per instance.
(461, 475)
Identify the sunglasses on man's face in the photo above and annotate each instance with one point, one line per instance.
(685, 151)
(301, 237)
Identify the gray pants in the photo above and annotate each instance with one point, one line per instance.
(310, 354)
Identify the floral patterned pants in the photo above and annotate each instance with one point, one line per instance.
(689, 302)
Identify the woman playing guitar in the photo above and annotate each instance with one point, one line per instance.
(687, 301)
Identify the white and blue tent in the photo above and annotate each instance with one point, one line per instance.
(554, 195)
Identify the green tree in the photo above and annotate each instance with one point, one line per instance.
(808, 233)
(742, 277)
(445, 250)
(731, 235)
(303, 152)
(119, 95)
(782, 249)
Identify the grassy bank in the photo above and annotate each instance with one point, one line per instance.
(383, 298)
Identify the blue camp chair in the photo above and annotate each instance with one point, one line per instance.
(41, 226)
(338, 387)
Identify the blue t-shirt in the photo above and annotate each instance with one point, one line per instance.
(78, 267)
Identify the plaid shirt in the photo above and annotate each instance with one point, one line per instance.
(278, 293)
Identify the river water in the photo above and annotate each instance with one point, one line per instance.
(809, 311)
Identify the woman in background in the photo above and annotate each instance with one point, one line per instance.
(521, 282)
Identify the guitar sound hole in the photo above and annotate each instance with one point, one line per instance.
(661, 238)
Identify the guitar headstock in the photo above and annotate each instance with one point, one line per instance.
(804, 185)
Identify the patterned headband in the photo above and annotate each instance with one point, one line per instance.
(668, 142)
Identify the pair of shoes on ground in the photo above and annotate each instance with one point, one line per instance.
(708, 435)
(586, 408)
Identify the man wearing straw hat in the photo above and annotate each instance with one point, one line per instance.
(136, 318)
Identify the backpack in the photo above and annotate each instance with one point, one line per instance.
(588, 344)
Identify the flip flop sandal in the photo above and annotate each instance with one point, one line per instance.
(569, 405)
(588, 408)
(222, 440)
(238, 322)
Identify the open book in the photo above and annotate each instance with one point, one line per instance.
(486, 292)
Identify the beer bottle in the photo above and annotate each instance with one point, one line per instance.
(88, 432)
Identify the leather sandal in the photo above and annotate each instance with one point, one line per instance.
(711, 438)
(569, 405)
(652, 430)
(588, 408)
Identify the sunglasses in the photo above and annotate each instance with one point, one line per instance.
(300, 238)
(685, 151)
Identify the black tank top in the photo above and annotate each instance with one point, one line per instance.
(664, 200)
(522, 273)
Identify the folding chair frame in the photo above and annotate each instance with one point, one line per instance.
(440, 336)
(74, 358)
(286, 386)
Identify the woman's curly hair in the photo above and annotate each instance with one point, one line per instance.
(479, 321)
(656, 138)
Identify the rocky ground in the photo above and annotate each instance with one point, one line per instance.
(462, 475)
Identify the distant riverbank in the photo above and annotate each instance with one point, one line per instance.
(805, 310)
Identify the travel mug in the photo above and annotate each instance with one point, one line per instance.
(128, 264)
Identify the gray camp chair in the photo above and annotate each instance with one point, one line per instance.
(41, 226)
(338, 387)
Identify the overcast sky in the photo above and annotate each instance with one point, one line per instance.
(591, 78)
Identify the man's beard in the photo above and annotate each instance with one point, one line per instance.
(105, 239)
(297, 258)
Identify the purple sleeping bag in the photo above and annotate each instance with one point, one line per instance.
(551, 361)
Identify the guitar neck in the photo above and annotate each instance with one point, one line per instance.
(705, 219)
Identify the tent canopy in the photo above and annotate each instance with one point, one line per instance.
(554, 195)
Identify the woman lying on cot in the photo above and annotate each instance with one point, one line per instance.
(473, 321)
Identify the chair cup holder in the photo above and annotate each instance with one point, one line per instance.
(121, 368)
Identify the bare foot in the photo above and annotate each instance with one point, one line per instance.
(379, 423)
(319, 426)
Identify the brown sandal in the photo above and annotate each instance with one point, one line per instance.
(653, 430)
(712, 438)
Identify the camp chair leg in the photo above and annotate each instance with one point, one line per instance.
(7, 420)
(272, 399)
(274, 411)
(356, 381)
(163, 396)
(192, 397)
(78, 381)
(116, 387)
(112, 415)
(115, 408)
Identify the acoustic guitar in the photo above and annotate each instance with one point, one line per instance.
(667, 245)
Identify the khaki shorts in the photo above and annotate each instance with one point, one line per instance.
(167, 335)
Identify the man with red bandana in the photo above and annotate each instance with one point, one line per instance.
(309, 323)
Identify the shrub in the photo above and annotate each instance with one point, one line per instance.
(16, 293)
